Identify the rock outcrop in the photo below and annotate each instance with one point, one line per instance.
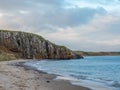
(29, 46)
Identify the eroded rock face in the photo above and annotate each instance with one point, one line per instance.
(28, 45)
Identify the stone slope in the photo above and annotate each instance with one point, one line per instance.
(29, 46)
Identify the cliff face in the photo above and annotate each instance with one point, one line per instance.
(29, 46)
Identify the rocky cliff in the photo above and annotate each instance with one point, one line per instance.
(29, 46)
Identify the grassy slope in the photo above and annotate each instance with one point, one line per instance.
(6, 56)
(98, 53)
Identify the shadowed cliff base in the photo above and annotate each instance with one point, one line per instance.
(31, 46)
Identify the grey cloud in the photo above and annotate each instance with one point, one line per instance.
(12, 4)
(42, 16)
(52, 2)
(64, 17)
(27, 4)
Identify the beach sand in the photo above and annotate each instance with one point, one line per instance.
(15, 77)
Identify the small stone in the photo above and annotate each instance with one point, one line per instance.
(48, 81)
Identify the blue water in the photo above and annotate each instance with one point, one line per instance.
(95, 72)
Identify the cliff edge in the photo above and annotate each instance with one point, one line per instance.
(31, 46)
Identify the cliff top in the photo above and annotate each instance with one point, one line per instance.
(33, 34)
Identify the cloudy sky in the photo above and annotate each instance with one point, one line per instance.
(88, 25)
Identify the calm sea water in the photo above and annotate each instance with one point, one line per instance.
(95, 72)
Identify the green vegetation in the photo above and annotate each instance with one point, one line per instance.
(98, 53)
(40, 37)
(6, 56)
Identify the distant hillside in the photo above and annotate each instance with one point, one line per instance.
(32, 46)
(98, 53)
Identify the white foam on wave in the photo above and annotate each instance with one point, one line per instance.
(86, 83)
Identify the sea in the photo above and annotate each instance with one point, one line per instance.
(94, 72)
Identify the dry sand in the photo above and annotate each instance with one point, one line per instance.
(14, 77)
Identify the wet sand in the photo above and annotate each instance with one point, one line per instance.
(15, 76)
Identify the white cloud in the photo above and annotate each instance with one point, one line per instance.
(1, 14)
(112, 42)
(96, 33)
(24, 12)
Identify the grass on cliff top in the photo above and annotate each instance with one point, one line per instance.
(26, 33)
(23, 32)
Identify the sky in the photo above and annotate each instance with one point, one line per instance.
(86, 25)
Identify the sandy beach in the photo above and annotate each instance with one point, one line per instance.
(16, 77)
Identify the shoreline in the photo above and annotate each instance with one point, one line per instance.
(16, 76)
